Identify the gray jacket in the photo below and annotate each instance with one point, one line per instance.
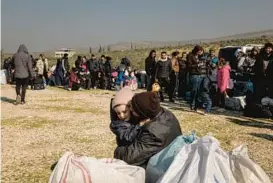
(22, 63)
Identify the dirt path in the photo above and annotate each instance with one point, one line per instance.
(54, 121)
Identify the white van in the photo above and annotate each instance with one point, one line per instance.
(60, 53)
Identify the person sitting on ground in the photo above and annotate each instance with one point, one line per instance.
(159, 128)
(74, 82)
(122, 123)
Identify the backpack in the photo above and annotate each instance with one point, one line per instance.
(233, 104)
(257, 111)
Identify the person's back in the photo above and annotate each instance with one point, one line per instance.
(22, 63)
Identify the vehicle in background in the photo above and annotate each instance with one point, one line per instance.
(60, 53)
(228, 53)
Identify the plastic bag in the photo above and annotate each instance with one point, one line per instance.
(159, 163)
(74, 169)
(205, 162)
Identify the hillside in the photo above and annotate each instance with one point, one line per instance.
(157, 44)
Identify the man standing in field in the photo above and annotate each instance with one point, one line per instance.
(162, 74)
(150, 63)
(174, 75)
(22, 65)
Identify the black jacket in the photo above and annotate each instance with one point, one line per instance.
(108, 68)
(163, 69)
(260, 72)
(152, 138)
(150, 64)
(92, 65)
(101, 66)
(125, 132)
(196, 66)
(206, 85)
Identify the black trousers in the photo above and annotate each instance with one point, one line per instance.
(21, 87)
(164, 83)
(182, 85)
(173, 84)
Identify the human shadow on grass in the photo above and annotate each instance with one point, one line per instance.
(251, 123)
(8, 100)
(262, 135)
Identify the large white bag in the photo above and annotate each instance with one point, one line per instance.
(204, 161)
(3, 77)
(78, 169)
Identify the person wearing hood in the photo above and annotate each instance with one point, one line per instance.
(159, 128)
(59, 73)
(263, 69)
(150, 64)
(223, 77)
(22, 65)
(162, 74)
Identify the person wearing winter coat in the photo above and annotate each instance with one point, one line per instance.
(162, 74)
(74, 82)
(40, 66)
(150, 64)
(108, 72)
(263, 69)
(159, 128)
(78, 62)
(123, 123)
(197, 71)
(59, 73)
(247, 63)
(92, 65)
(22, 64)
(182, 88)
(223, 78)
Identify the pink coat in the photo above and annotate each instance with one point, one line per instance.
(223, 77)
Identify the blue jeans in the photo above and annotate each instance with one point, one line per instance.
(195, 81)
(206, 100)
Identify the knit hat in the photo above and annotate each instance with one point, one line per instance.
(146, 105)
(122, 97)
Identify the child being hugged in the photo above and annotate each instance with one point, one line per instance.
(122, 123)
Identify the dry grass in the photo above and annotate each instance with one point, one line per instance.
(34, 136)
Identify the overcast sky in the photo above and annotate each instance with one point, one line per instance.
(49, 24)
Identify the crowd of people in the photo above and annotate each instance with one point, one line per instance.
(202, 78)
(209, 80)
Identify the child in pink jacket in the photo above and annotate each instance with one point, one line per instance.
(223, 77)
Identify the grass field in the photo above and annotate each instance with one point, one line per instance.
(53, 121)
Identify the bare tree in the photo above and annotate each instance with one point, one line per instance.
(108, 48)
(100, 49)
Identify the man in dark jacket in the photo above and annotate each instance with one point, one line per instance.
(162, 74)
(78, 62)
(101, 72)
(108, 72)
(160, 128)
(22, 65)
(263, 69)
(92, 66)
(182, 75)
(150, 69)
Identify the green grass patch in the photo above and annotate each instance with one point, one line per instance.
(27, 122)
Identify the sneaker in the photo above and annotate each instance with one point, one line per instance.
(18, 99)
(81, 89)
(221, 110)
(23, 103)
(69, 89)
